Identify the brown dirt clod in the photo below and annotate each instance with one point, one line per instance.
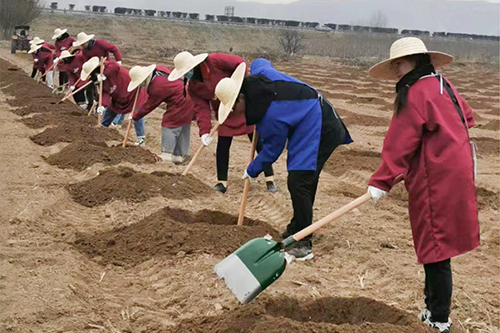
(71, 132)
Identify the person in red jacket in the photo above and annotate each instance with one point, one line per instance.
(176, 124)
(115, 98)
(63, 41)
(43, 60)
(204, 71)
(427, 145)
(96, 47)
(71, 65)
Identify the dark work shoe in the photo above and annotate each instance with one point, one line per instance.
(301, 252)
(271, 186)
(220, 187)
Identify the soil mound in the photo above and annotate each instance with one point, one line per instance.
(493, 125)
(75, 131)
(351, 118)
(81, 155)
(488, 146)
(126, 184)
(52, 118)
(170, 231)
(346, 160)
(487, 199)
(340, 315)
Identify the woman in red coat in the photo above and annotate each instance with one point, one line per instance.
(63, 42)
(43, 61)
(71, 64)
(204, 71)
(176, 123)
(427, 145)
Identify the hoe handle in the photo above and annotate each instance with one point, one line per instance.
(100, 90)
(74, 92)
(247, 181)
(327, 219)
(131, 121)
(198, 152)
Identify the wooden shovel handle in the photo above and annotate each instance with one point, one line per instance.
(76, 91)
(131, 121)
(100, 90)
(329, 218)
(198, 152)
(244, 197)
(69, 90)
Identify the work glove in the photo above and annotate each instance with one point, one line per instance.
(101, 77)
(35, 60)
(206, 139)
(119, 62)
(100, 110)
(130, 116)
(376, 193)
(56, 60)
(72, 88)
(246, 175)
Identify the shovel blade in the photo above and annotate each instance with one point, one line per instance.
(252, 268)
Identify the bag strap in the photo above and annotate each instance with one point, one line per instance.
(455, 101)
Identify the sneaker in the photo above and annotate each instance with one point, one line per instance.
(301, 252)
(220, 187)
(140, 142)
(271, 187)
(181, 159)
(83, 106)
(166, 157)
(425, 316)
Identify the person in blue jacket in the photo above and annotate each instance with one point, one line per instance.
(287, 112)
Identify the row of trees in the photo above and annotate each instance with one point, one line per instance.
(17, 12)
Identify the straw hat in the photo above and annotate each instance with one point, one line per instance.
(138, 74)
(89, 67)
(404, 47)
(65, 54)
(184, 62)
(82, 38)
(58, 33)
(227, 91)
(36, 41)
(34, 48)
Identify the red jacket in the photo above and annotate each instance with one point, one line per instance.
(64, 44)
(179, 108)
(202, 93)
(45, 57)
(101, 48)
(73, 69)
(115, 94)
(428, 145)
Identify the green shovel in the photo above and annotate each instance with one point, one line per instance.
(261, 261)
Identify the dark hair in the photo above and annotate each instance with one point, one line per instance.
(423, 67)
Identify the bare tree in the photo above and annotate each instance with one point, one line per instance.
(378, 20)
(17, 12)
(292, 41)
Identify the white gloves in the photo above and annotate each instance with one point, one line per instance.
(376, 193)
(55, 61)
(72, 88)
(119, 62)
(100, 110)
(130, 116)
(35, 60)
(206, 139)
(101, 77)
(246, 175)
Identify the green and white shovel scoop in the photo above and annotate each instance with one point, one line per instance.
(261, 261)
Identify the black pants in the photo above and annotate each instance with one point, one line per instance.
(438, 289)
(63, 78)
(89, 93)
(223, 145)
(79, 97)
(302, 185)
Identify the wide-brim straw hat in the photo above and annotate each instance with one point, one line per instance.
(184, 62)
(36, 41)
(404, 47)
(82, 38)
(34, 48)
(58, 33)
(66, 54)
(139, 74)
(89, 67)
(227, 91)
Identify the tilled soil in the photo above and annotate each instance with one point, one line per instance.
(81, 155)
(124, 183)
(40, 120)
(284, 314)
(172, 232)
(493, 125)
(75, 131)
(351, 118)
(352, 160)
(489, 146)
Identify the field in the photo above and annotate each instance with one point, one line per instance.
(97, 239)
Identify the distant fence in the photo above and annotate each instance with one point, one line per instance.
(265, 22)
